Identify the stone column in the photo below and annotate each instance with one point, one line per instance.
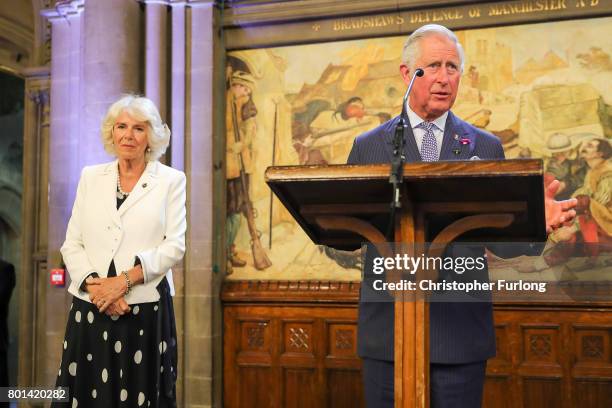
(112, 66)
(177, 85)
(156, 54)
(201, 293)
(63, 172)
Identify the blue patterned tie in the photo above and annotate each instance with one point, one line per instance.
(429, 146)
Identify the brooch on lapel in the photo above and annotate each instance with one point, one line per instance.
(463, 141)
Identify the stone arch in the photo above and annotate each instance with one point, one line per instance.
(17, 36)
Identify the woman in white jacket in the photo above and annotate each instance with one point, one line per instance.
(126, 231)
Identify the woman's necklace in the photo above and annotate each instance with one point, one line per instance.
(120, 193)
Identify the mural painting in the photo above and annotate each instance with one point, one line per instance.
(548, 98)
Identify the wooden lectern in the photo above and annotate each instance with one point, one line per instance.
(342, 206)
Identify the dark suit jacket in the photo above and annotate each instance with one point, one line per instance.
(459, 332)
(7, 283)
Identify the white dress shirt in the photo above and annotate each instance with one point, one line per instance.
(419, 133)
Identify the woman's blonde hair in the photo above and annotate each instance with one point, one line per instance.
(141, 109)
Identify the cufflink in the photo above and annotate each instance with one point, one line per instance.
(144, 185)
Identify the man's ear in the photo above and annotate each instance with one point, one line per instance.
(405, 73)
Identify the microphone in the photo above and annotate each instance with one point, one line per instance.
(419, 72)
(397, 164)
(398, 141)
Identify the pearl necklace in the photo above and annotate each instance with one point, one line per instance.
(120, 193)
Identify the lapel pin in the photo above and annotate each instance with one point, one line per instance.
(144, 185)
(456, 137)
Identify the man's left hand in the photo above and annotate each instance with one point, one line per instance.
(557, 212)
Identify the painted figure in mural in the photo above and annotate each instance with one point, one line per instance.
(352, 108)
(302, 135)
(561, 166)
(241, 127)
(591, 232)
(474, 77)
(462, 335)
(126, 231)
(482, 118)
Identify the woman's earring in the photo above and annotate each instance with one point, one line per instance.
(148, 150)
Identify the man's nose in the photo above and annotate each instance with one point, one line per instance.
(442, 75)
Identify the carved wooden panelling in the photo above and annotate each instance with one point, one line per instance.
(593, 394)
(254, 335)
(540, 392)
(298, 337)
(259, 396)
(558, 356)
(304, 380)
(342, 340)
(344, 389)
(540, 344)
(503, 352)
(496, 386)
(292, 353)
(592, 345)
(295, 345)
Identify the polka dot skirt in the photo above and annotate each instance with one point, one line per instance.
(125, 361)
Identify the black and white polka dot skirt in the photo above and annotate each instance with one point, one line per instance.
(120, 361)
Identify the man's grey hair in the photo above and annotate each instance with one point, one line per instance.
(412, 50)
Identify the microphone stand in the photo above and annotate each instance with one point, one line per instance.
(397, 164)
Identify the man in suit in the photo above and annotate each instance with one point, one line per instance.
(462, 335)
(7, 283)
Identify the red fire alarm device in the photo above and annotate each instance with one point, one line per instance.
(58, 277)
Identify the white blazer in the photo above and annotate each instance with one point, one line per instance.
(149, 224)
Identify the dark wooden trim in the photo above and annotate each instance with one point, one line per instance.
(511, 167)
(290, 291)
(329, 291)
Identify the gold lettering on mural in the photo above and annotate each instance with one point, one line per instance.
(583, 3)
(359, 23)
(441, 15)
(474, 12)
(435, 16)
(525, 7)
